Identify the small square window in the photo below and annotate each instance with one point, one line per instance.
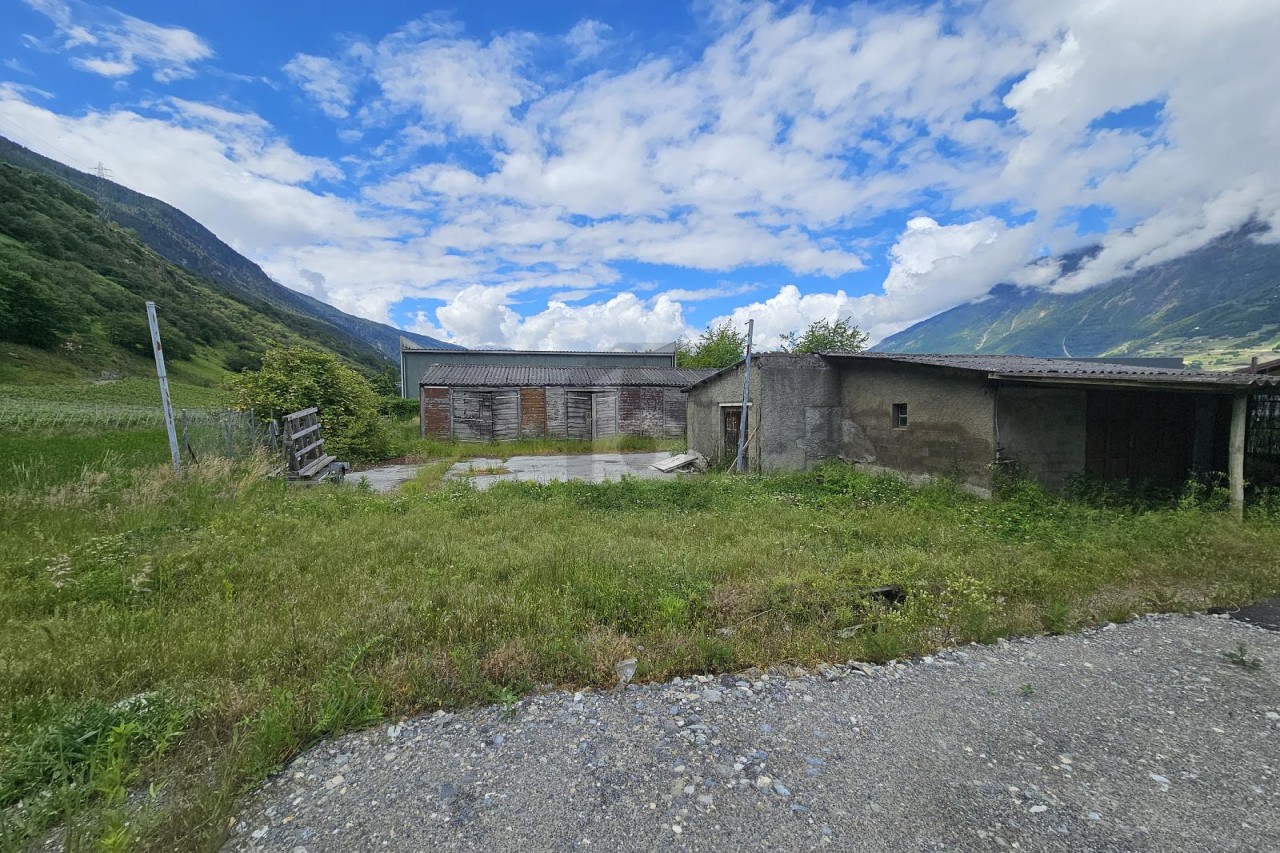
(899, 415)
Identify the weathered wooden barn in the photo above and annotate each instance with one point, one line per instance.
(488, 402)
(415, 360)
(964, 416)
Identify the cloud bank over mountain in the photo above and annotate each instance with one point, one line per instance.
(586, 185)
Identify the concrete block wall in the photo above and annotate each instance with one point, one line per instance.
(950, 425)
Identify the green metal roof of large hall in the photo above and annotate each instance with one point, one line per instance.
(529, 375)
(1030, 367)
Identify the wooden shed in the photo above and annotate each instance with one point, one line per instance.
(489, 402)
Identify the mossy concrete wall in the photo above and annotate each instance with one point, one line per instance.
(950, 425)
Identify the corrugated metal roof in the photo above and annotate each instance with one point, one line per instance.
(525, 375)
(1027, 367)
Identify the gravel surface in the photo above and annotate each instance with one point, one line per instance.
(1127, 738)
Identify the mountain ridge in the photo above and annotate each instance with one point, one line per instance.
(182, 240)
(1214, 306)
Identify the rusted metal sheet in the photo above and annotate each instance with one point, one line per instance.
(533, 412)
(435, 413)
(640, 411)
(506, 414)
(557, 415)
(673, 413)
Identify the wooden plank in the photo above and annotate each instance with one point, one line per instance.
(472, 415)
(640, 411)
(604, 412)
(1235, 455)
(304, 432)
(298, 454)
(506, 414)
(316, 465)
(557, 421)
(301, 414)
(577, 415)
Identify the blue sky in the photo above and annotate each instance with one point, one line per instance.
(597, 174)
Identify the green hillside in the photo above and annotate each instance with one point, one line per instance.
(73, 289)
(1216, 306)
(182, 241)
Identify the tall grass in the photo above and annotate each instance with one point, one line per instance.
(257, 619)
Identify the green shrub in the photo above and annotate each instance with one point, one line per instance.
(295, 378)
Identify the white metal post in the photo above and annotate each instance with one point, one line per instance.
(740, 464)
(164, 389)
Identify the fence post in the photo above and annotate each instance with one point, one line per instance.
(164, 388)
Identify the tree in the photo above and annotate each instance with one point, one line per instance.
(296, 378)
(717, 347)
(826, 336)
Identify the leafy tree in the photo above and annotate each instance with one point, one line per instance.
(719, 346)
(826, 336)
(294, 378)
(31, 312)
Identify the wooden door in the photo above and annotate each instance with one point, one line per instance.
(577, 405)
(604, 414)
(506, 414)
(731, 417)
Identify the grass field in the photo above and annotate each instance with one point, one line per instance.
(181, 640)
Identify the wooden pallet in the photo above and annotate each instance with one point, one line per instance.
(305, 459)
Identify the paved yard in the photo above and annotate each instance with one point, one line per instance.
(588, 467)
(1138, 737)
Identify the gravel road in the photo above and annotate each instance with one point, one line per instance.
(1128, 738)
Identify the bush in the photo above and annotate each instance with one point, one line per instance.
(296, 378)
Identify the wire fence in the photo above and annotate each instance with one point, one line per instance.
(222, 432)
(202, 432)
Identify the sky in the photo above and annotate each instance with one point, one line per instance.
(587, 175)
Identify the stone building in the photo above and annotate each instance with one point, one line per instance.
(961, 416)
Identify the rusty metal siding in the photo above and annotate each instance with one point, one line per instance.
(506, 414)
(674, 412)
(640, 411)
(557, 416)
(533, 412)
(578, 414)
(472, 415)
(435, 413)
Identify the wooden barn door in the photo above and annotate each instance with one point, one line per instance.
(604, 414)
(578, 413)
(506, 414)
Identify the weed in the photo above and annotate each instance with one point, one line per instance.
(285, 616)
(1239, 656)
(506, 699)
(1056, 617)
(1027, 691)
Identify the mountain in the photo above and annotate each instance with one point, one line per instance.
(73, 288)
(1214, 306)
(181, 240)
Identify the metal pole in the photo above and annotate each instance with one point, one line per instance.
(230, 449)
(740, 464)
(164, 389)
